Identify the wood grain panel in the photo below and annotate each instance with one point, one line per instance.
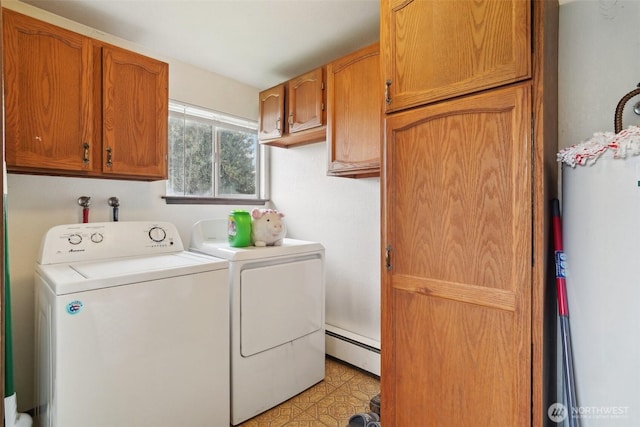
(438, 49)
(306, 101)
(465, 370)
(49, 102)
(545, 172)
(354, 113)
(458, 223)
(503, 300)
(270, 123)
(457, 297)
(135, 111)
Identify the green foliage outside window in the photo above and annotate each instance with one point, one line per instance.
(237, 162)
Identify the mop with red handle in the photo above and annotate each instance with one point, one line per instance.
(563, 314)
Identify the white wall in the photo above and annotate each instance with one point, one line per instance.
(344, 215)
(35, 203)
(598, 65)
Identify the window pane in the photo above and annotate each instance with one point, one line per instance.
(237, 162)
(212, 155)
(198, 159)
(175, 184)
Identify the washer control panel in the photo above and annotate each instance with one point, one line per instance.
(103, 240)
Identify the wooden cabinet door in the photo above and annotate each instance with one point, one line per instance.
(354, 113)
(270, 122)
(49, 97)
(305, 101)
(456, 301)
(135, 115)
(438, 49)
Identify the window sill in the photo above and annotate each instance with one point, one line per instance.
(193, 200)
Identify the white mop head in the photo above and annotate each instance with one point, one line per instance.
(623, 144)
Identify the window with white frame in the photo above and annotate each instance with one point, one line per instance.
(212, 156)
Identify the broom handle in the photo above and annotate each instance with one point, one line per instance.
(563, 313)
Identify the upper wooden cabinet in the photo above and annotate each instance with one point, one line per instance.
(135, 114)
(434, 50)
(302, 101)
(306, 101)
(78, 107)
(50, 104)
(270, 124)
(354, 114)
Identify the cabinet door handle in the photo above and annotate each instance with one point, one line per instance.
(278, 124)
(85, 155)
(109, 157)
(387, 258)
(387, 97)
(290, 121)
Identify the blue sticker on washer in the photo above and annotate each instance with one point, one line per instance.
(74, 307)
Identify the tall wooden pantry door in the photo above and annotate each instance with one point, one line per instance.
(457, 220)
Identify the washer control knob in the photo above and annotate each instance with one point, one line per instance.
(75, 239)
(157, 234)
(97, 237)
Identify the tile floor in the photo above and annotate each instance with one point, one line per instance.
(345, 390)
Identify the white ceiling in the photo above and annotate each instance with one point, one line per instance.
(257, 42)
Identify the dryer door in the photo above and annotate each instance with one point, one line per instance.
(280, 303)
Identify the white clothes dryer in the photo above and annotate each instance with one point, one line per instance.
(131, 329)
(277, 317)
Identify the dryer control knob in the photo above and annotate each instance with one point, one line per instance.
(97, 237)
(157, 234)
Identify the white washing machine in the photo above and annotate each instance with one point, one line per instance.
(277, 317)
(131, 329)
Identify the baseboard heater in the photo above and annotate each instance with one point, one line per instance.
(354, 349)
